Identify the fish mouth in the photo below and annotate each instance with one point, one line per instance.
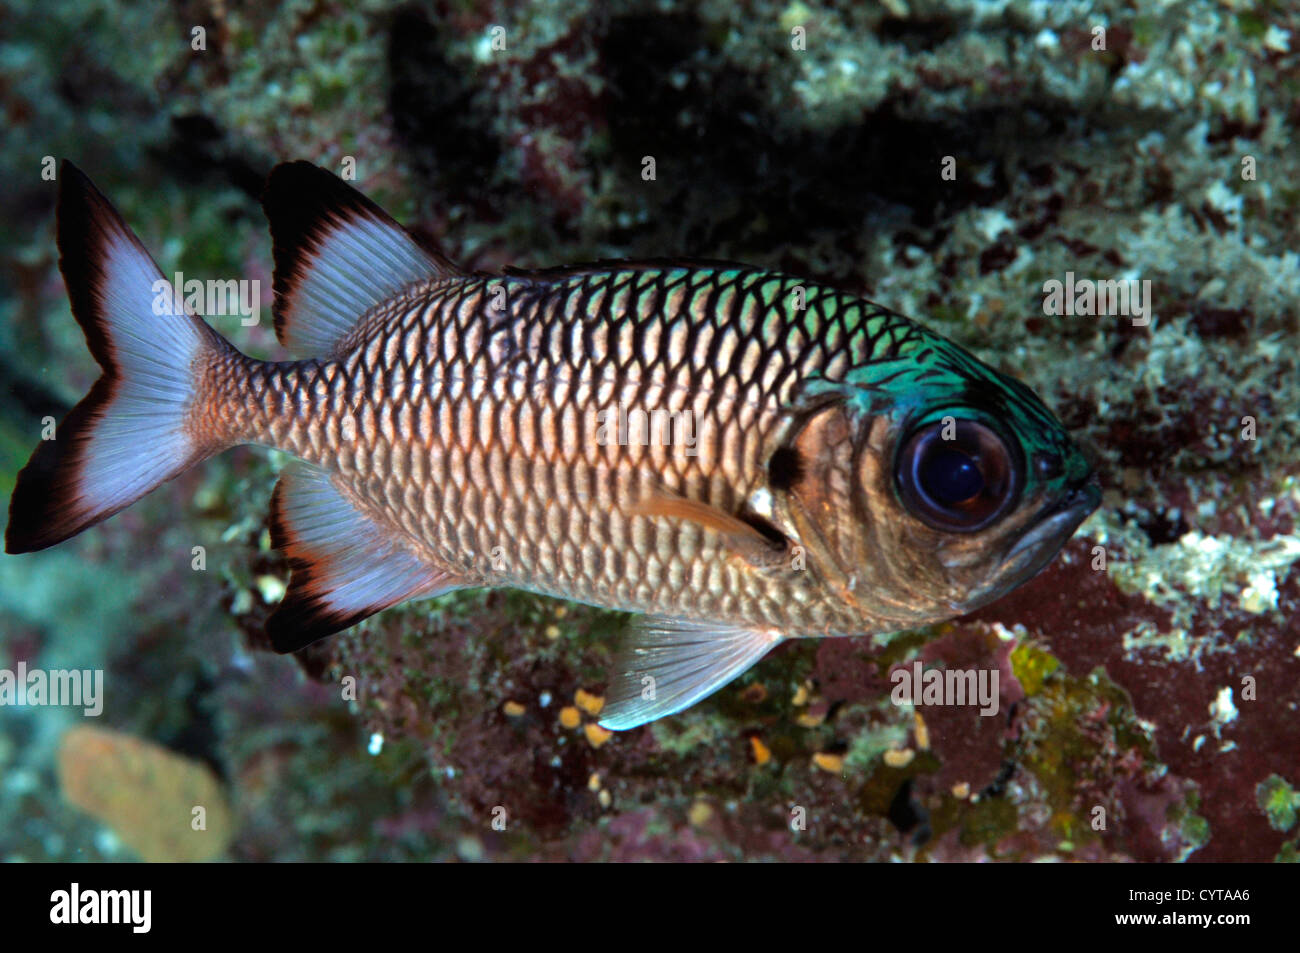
(1053, 530)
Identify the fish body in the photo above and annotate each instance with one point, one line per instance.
(739, 456)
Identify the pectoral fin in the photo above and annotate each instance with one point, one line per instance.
(762, 549)
(670, 664)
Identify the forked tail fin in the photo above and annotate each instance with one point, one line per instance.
(133, 431)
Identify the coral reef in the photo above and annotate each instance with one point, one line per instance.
(1149, 678)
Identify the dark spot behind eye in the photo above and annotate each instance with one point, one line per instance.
(784, 468)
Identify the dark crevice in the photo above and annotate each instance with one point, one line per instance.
(197, 735)
(732, 171)
(908, 814)
(436, 113)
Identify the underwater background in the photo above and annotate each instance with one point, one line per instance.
(1151, 672)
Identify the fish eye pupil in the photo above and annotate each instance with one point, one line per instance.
(949, 476)
(957, 480)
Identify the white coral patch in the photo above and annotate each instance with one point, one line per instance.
(1223, 710)
(1260, 593)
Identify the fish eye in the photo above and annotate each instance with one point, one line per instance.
(960, 484)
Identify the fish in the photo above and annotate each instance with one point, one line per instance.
(733, 455)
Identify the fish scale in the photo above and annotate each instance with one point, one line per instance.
(444, 361)
(843, 470)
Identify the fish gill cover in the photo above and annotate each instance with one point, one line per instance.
(1095, 199)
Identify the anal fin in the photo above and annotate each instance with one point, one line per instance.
(670, 664)
(345, 565)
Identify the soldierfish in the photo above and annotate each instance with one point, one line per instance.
(823, 466)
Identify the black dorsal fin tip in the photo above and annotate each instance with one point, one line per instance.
(337, 254)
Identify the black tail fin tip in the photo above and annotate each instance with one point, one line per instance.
(129, 434)
(45, 508)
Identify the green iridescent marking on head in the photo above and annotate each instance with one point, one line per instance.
(920, 377)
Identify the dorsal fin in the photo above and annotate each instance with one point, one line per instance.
(337, 255)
